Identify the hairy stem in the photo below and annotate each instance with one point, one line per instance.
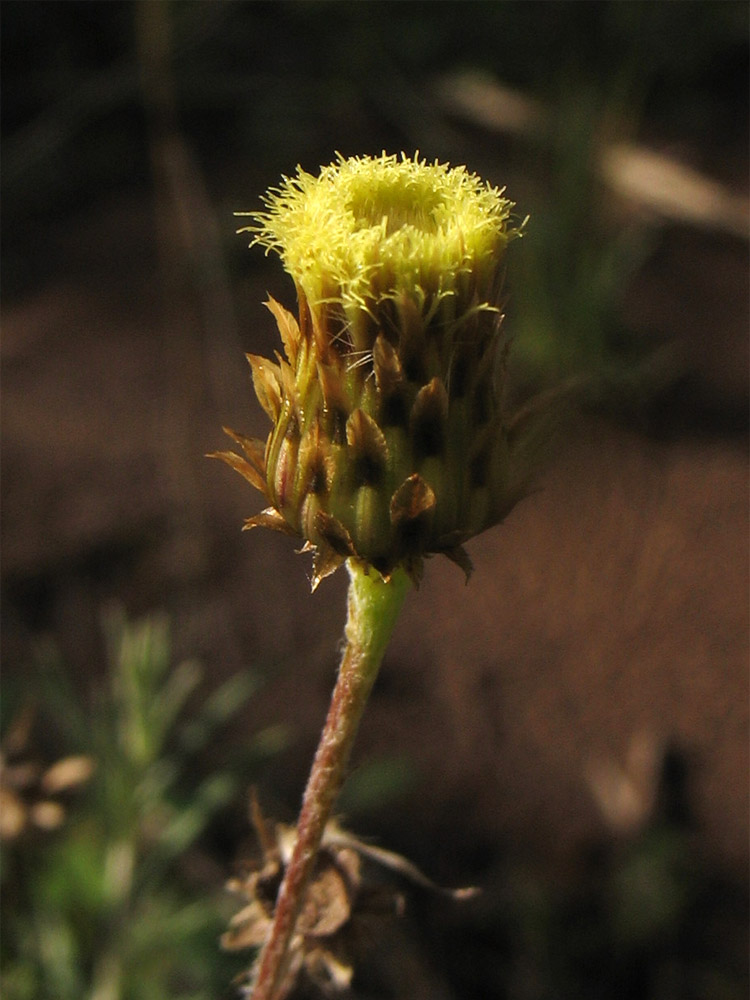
(373, 608)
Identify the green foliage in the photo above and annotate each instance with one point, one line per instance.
(103, 908)
(573, 271)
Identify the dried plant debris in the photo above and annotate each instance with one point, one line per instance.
(345, 903)
(30, 790)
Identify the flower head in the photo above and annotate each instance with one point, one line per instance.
(389, 440)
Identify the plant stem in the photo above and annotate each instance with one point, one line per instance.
(373, 608)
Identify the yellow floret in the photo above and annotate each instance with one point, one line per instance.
(368, 228)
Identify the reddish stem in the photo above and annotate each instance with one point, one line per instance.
(373, 607)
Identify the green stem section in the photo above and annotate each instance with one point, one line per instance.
(373, 608)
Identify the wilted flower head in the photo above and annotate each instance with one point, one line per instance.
(336, 899)
(351, 898)
(389, 440)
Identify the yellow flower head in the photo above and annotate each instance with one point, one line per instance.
(388, 440)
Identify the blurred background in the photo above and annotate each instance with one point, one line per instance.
(569, 731)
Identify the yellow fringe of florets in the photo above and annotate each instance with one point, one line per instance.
(368, 227)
